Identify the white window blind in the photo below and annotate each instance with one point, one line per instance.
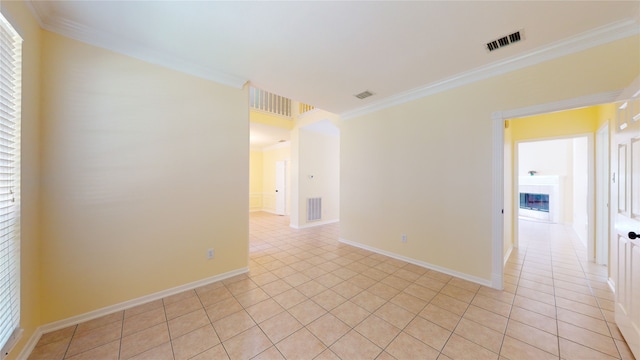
(10, 107)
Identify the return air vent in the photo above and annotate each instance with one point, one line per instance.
(314, 209)
(504, 41)
(364, 94)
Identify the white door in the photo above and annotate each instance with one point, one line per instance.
(281, 192)
(625, 215)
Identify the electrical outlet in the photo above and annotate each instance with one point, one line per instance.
(404, 238)
(210, 254)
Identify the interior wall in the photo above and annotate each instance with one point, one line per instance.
(556, 125)
(605, 113)
(319, 175)
(424, 168)
(30, 233)
(255, 180)
(580, 189)
(144, 169)
(264, 118)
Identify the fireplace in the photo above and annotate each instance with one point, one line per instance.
(537, 202)
(539, 198)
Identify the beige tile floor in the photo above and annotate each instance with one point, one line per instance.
(309, 297)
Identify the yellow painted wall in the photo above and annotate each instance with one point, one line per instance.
(424, 168)
(557, 124)
(144, 168)
(271, 120)
(606, 114)
(30, 270)
(255, 180)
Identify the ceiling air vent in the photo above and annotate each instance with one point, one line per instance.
(504, 41)
(364, 94)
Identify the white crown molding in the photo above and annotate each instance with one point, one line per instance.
(598, 36)
(86, 34)
(41, 10)
(584, 41)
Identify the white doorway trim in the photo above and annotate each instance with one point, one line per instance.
(497, 207)
(602, 196)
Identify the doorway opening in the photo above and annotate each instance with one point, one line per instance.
(553, 183)
(294, 157)
(599, 110)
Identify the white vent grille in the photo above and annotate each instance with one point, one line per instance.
(504, 41)
(314, 209)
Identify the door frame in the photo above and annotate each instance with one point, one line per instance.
(497, 206)
(603, 220)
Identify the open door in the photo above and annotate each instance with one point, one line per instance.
(625, 216)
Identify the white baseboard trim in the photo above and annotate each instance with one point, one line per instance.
(507, 255)
(61, 324)
(497, 281)
(612, 285)
(11, 343)
(314, 224)
(423, 264)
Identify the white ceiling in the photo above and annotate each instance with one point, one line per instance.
(324, 52)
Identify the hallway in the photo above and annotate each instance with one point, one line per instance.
(569, 296)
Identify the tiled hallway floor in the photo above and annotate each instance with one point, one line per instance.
(309, 297)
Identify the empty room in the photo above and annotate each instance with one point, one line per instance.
(319, 180)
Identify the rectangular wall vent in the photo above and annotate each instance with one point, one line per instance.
(314, 209)
(504, 41)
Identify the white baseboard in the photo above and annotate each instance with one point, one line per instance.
(612, 285)
(61, 324)
(507, 255)
(423, 264)
(315, 223)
